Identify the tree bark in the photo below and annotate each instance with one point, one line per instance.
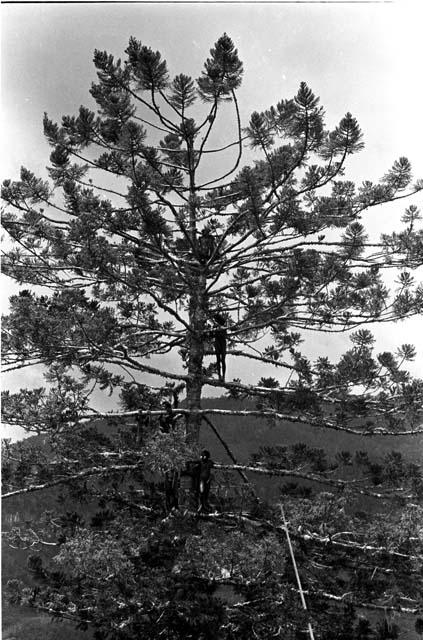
(197, 318)
(197, 309)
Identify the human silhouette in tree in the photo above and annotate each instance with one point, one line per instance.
(167, 419)
(219, 335)
(206, 245)
(203, 476)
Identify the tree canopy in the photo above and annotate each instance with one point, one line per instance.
(149, 240)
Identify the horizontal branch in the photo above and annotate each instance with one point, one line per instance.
(275, 363)
(365, 548)
(345, 598)
(309, 536)
(76, 476)
(379, 431)
(341, 484)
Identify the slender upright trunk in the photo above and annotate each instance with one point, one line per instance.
(197, 318)
(197, 311)
(188, 498)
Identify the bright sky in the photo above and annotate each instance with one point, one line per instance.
(363, 58)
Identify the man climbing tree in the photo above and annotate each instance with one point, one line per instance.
(206, 245)
(219, 335)
(117, 241)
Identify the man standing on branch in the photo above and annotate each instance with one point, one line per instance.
(203, 476)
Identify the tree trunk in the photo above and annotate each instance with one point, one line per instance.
(197, 317)
(197, 309)
(188, 496)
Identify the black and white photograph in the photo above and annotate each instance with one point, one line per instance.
(212, 336)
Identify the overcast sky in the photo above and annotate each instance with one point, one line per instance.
(363, 58)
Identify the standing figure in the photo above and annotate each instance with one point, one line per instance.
(220, 345)
(203, 476)
(206, 245)
(167, 419)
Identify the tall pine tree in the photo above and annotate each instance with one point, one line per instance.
(148, 241)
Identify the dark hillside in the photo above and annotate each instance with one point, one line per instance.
(246, 435)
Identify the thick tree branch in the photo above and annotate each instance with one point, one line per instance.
(86, 473)
(312, 477)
